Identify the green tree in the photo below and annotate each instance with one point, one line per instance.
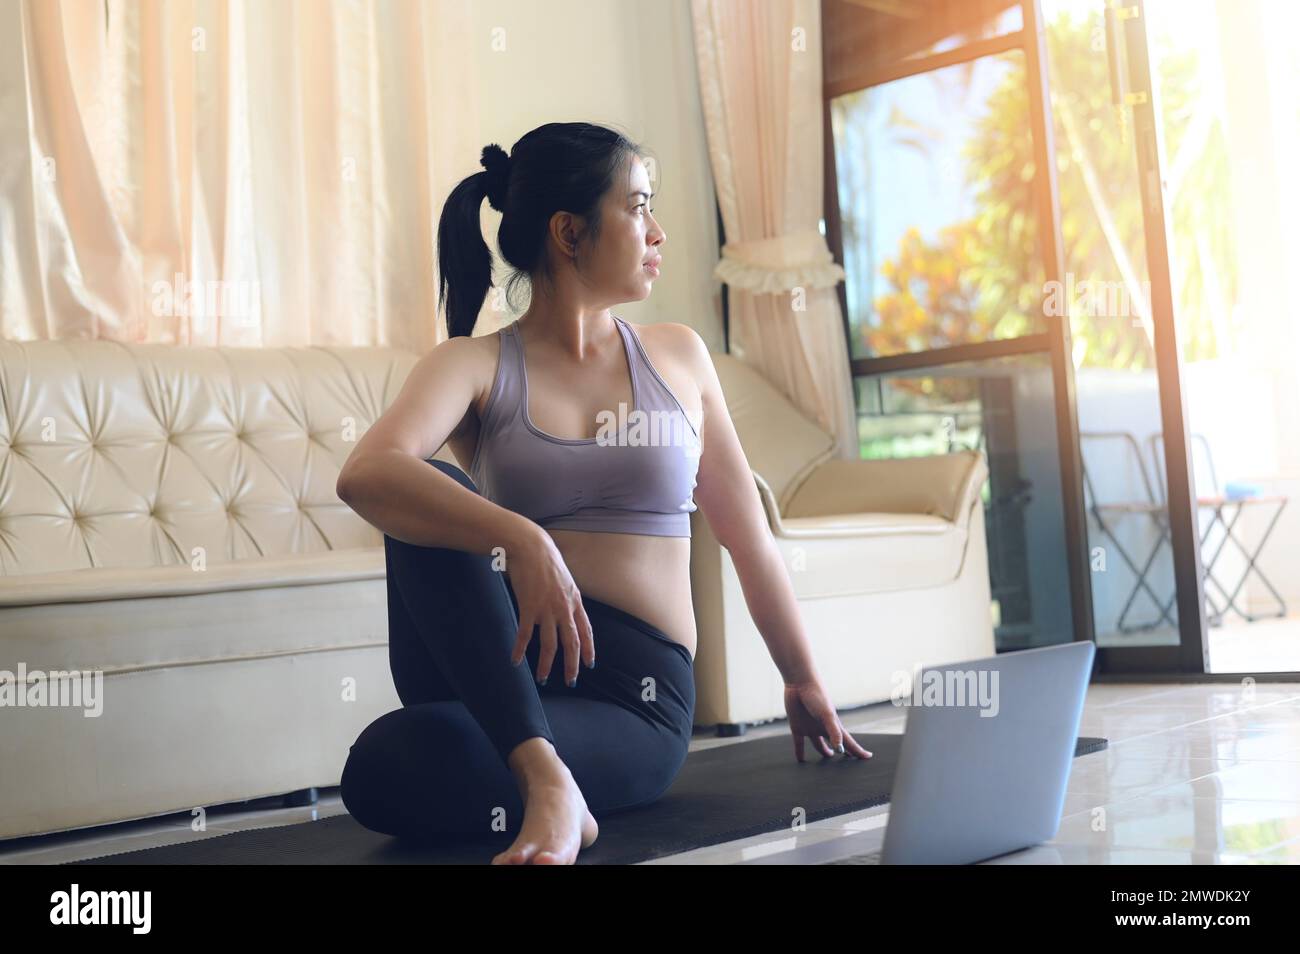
(981, 278)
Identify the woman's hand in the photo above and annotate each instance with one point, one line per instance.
(549, 600)
(811, 714)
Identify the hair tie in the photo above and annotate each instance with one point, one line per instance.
(497, 164)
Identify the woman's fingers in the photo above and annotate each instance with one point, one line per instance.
(855, 748)
(847, 745)
(573, 635)
(522, 637)
(572, 646)
(546, 656)
(586, 636)
(835, 736)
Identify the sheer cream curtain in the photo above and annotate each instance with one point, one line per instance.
(760, 69)
(234, 172)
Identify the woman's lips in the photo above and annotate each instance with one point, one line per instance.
(653, 267)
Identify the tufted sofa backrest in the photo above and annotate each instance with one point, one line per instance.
(133, 455)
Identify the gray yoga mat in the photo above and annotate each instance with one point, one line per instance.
(722, 793)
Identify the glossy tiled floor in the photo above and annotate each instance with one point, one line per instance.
(1269, 644)
(1266, 645)
(1205, 774)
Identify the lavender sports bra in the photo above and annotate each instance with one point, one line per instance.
(636, 476)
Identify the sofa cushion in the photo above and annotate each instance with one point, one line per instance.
(864, 524)
(122, 620)
(941, 485)
(870, 553)
(122, 583)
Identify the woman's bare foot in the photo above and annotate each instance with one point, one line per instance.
(557, 823)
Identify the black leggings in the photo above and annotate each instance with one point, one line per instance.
(437, 765)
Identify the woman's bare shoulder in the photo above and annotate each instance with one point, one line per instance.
(675, 339)
(681, 343)
(474, 356)
(681, 358)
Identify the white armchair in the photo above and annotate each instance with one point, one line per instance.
(887, 559)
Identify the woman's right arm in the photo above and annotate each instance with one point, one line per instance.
(389, 483)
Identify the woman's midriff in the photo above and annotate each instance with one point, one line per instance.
(642, 574)
(647, 576)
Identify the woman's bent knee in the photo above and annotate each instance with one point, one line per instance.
(454, 472)
(395, 546)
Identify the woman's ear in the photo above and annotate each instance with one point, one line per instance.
(566, 228)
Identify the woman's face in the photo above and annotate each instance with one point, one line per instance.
(628, 247)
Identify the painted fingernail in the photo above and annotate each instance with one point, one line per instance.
(542, 682)
(841, 747)
(573, 682)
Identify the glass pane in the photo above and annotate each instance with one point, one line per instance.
(1105, 295)
(1229, 81)
(936, 189)
(1005, 408)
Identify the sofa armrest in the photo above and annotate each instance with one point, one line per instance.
(943, 485)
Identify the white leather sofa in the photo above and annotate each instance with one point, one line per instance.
(887, 559)
(168, 520)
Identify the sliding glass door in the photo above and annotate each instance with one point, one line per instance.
(994, 197)
(1227, 83)
(943, 215)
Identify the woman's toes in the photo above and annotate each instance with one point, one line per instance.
(514, 855)
(590, 829)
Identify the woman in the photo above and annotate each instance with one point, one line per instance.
(573, 524)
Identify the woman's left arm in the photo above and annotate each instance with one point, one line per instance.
(727, 496)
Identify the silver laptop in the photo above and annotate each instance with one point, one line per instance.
(970, 786)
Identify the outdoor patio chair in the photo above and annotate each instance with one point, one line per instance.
(1109, 513)
(1234, 499)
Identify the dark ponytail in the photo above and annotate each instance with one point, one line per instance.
(558, 167)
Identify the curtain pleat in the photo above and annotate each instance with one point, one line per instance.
(230, 172)
(761, 96)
